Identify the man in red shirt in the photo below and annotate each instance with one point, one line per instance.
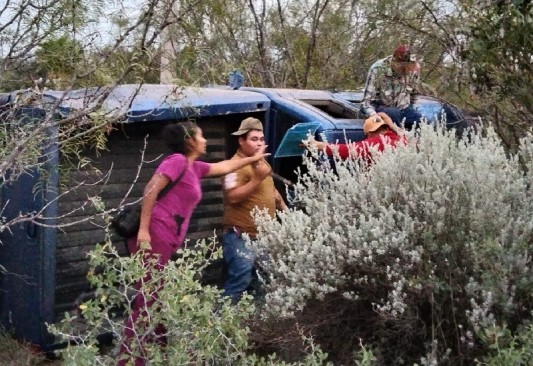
(379, 131)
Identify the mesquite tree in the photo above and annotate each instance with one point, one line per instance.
(63, 45)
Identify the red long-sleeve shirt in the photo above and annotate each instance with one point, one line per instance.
(361, 148)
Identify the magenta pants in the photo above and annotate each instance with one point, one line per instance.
(143, 301)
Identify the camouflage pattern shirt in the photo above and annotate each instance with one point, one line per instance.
(385, 87)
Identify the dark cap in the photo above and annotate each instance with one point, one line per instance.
(248, 124)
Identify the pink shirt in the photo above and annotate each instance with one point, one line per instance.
(180, 201)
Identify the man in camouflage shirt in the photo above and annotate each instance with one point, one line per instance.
(392, 87)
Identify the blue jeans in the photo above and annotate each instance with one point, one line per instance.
(411, 115)
(239, 263)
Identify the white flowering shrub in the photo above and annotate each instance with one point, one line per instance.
(419, 253)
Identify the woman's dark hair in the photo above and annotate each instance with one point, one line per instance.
(175, 136)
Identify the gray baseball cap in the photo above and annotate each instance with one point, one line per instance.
(248, 124)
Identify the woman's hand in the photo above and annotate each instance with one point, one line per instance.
(261, 154)
(228, 166)
(143, 238)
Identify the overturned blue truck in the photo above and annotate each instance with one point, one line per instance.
(45, 260)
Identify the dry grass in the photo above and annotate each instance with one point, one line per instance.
(15, 353)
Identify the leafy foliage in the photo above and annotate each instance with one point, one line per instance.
(62, 45)
(500, 52)
(506, 349)
(58, 57)
(201, 326)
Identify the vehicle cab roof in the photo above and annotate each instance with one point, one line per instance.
(339, 113)
(150, 102)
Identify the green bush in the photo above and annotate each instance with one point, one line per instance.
(202, 327)
(421, 254)
(506, 349)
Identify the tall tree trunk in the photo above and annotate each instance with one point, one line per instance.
(288, 50)
(259, 22)
(319, 10)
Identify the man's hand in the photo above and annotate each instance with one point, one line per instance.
(280, 203)
(261, 170)
(385, 117)
(388, 121)
(319, 145)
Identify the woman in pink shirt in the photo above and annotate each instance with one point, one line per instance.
(164, 222)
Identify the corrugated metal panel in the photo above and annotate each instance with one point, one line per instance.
(124, 147)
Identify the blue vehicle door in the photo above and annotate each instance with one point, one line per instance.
(27, 249)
